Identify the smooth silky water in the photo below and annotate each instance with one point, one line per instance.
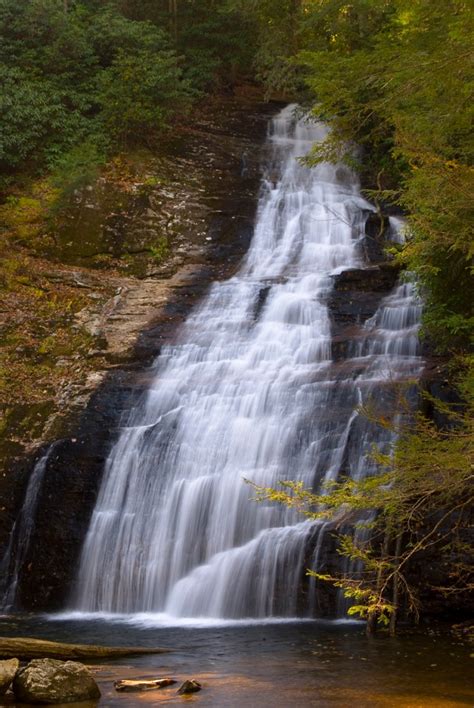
(177, 554)
(249, 391)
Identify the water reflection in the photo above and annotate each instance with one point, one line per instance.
(276, 665)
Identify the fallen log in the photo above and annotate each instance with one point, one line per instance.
(143, 685)
(28, 648)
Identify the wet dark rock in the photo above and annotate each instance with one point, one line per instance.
(343, 346)
(261, 300)
(191, 686)
(53, 681)
(8, 670)
(436, 383)
(357, 293)
(372, 244)
(376, 225)
(379, 278)
(66, 499)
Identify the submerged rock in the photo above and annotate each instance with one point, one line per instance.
(8, 671)
(191, 686)
(53, 681)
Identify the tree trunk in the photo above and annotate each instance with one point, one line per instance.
(173, 11)
(371, 626)
(142, 685)
(27, 648)
(294, 10)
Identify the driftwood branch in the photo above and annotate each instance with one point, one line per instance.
(143, 684)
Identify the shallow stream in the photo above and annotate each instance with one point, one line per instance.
(274, 665)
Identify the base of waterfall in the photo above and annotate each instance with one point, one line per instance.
(272, 664)
(150, 620)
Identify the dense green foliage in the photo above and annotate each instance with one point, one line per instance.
(111, 74)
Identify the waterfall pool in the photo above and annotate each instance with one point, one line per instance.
(274, 664)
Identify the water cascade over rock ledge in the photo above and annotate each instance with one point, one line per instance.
(262, 383)
(250, 390)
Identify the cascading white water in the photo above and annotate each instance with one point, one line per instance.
(249, 391)
(21, 533)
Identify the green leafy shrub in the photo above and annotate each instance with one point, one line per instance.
(140, 93)
(112, 34)
(33, 118)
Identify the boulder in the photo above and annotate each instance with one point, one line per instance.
(8, 671)
(53, 681)
(191, 686)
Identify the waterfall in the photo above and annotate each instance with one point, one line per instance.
(21, 533)
(249, 390)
